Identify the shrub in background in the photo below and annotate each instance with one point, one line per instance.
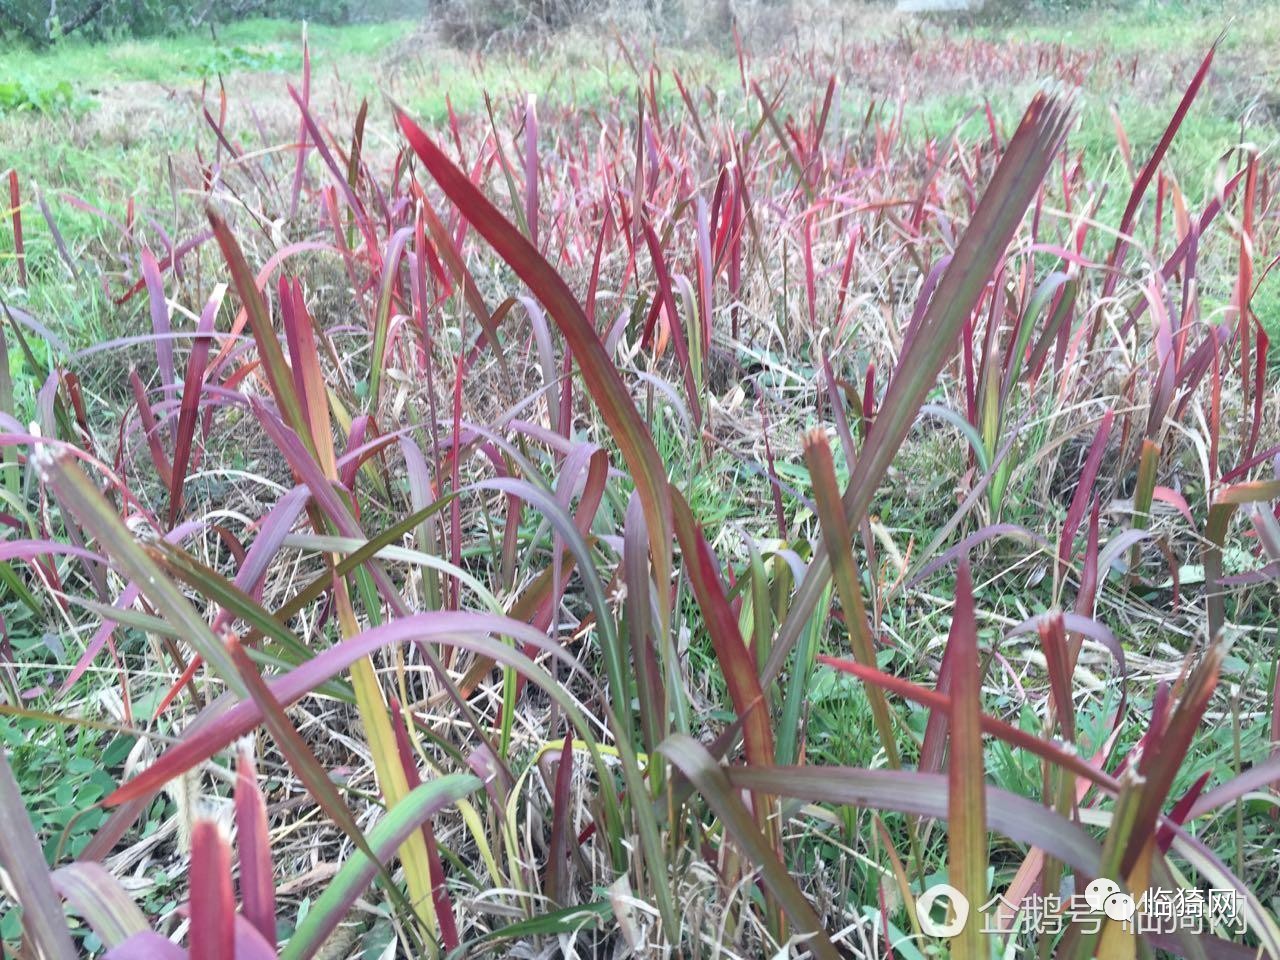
(478, 23)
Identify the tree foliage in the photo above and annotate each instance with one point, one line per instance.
(44, 21)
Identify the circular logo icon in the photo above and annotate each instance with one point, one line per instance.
(1097, 892)
(1119, 907)
(959, 911)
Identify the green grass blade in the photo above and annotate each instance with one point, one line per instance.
(838, 539)
(23, 860)
(710, 778)
(80, 496)
(386, 837)
(1224, 507)
(1016, 181)
(279, 376)
(925, 795)
(309, 770)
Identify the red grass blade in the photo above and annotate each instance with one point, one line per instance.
(250, 944)
(159, 318)
(1084, 490)
(304, 764)
(305, 358)
(1116, 260)
(1166, 754)
(147, 946)
(348, 190)
(1067, 759)
(257, 881)
(1058, 664)
(382, 314)
(190, 408)
(151, 429)
(598, 372)
(237, 721)
(213, 907)
(447, 248)
(561, 825)
(666, 301)
(966, 793)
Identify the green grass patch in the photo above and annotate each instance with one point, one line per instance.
(1148, 26)
(249, 46)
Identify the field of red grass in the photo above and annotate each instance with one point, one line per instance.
(693, 514)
